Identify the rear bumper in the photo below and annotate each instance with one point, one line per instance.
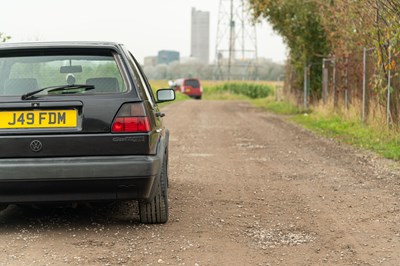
(77, 179)
(193, 92)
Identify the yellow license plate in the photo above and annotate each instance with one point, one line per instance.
(39, 119)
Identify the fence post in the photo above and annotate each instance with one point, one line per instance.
(324, 81)
(305, 85)
(346, 84)
(364, 84)
(388, 88)
(308, 83)
(335, 94)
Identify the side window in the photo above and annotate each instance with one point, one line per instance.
(143, 80)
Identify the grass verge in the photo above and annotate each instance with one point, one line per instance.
(278, 107)
(353, 132)
(237, 91)
(347, 129)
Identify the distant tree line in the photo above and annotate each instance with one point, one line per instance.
(264, 70)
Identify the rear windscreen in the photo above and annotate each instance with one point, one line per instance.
(194, 83)
(21, 74)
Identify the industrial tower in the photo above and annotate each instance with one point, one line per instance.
(236, 44)
(200, 35)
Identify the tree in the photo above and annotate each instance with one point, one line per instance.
(299, 23)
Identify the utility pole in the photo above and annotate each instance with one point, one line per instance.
(231, 41)
(236, 43)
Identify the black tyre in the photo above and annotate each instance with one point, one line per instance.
(156, 211)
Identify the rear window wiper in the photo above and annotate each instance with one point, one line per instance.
(86, 87)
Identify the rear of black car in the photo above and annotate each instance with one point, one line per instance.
(79, 122)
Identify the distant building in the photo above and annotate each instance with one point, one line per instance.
(167, 57)
(150, 61)
(190, 60)
(200, 38)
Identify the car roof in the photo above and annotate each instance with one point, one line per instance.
(45, 45)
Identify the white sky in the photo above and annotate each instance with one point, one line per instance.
(145, 26)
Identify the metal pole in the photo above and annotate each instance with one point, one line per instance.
(243, 12)
(305, 86)
(335, 98)
(245, 72)
(346, 92)
(309, 80)
(364, 88)
(388, 88)
(324, 81)
(256, 51)
(219, 75)
(231, 41)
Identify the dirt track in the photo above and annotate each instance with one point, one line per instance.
(246, 188)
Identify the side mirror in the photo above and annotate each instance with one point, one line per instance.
(165, 95)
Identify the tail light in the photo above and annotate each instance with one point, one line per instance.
(182, 89)
(201, 89)
(131, 118)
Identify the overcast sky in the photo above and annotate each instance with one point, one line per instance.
(145, 26)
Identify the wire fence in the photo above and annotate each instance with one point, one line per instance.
(351, 81)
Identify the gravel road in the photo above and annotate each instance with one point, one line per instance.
(246, 188)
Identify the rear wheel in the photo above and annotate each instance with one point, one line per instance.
(156, 211)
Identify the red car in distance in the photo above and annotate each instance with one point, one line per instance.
(189, 86)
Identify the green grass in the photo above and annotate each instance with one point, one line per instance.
(178, 97)
(243, 89)
(224, 96)
(223, 90)
(354, 132)
(278, 107)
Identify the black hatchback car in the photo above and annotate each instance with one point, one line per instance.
(79, 122)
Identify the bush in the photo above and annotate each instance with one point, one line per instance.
(251, 90)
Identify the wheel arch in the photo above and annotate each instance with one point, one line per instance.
(162, 148)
